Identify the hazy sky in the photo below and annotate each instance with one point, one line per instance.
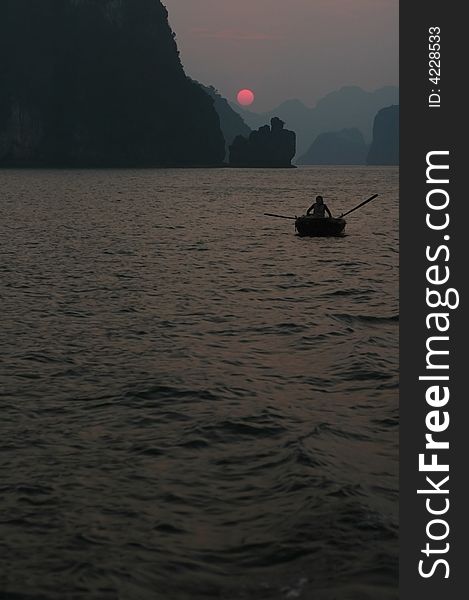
(287, 48)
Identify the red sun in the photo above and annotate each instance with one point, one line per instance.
(245, 97)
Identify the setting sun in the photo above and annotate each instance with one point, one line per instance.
(245, 97)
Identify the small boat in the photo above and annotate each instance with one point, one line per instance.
(307, 225)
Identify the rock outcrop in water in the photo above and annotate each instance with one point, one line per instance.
(348, 107)
(269, 146)
(346, 147)
(385, 146)
(97, 83)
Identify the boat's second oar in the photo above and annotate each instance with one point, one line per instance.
(359, 206)
(279, 216)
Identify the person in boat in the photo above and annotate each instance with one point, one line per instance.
(319, 209)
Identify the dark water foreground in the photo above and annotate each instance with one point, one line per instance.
(196, 403)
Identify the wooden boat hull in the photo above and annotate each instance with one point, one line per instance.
(317, 227)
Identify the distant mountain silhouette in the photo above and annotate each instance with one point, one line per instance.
(345, 147)
(269, 146)
(385, 146)
(345, 108)
(99, 82)
(232, 124)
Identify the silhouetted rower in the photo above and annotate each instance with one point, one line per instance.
(319, 208)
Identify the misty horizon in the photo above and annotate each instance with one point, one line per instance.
(296, 50)
(269, 109)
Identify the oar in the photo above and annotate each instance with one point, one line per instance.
(279, 216)
(359, 206)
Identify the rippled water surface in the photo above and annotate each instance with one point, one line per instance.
(196, 403)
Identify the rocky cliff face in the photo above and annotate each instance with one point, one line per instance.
(231, 122)
(96, 83)
(269, 146)
(346, 147)
(385, 146)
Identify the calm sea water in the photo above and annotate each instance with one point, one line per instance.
(196, 403)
